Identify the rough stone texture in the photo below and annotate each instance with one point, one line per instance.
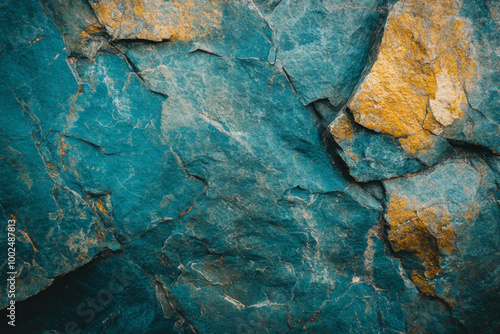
(442, 228)
(158, 20)
(434, 79)
(252, 166)
(370, 155)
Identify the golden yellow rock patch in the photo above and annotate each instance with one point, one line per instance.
(341, 128)
(157, 20)
(425, 232)
(415, 87)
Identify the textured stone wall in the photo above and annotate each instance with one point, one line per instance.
(239, 166)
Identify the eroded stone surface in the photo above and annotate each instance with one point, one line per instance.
(324, 46)
(158, 20)
(373, 156)
(174, 157)
(433, 61)
(446, 230)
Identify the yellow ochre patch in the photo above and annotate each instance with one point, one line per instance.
(415, 87)
(425, 232)
(341, 128)
(158, 20)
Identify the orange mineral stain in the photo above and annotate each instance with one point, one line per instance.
(415, 88)
(341, 128)
(424, 232)
(158, 20)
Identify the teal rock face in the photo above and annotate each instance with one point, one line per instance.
(221, 167)
(432, 86)
(324, 46)
(373, 156)
(443, 233)
(483, 118)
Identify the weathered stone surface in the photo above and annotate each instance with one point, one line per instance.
(446, 230)
(435, 66)
(158, 20)
(324, 46)
(203, 166)
(59, 229)
(373, 156)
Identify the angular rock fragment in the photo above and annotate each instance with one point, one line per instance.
(83, 35)
(324, 46)
(373, 156)
(434, 60)
(444, 225)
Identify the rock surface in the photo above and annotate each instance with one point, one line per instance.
(252, 166)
